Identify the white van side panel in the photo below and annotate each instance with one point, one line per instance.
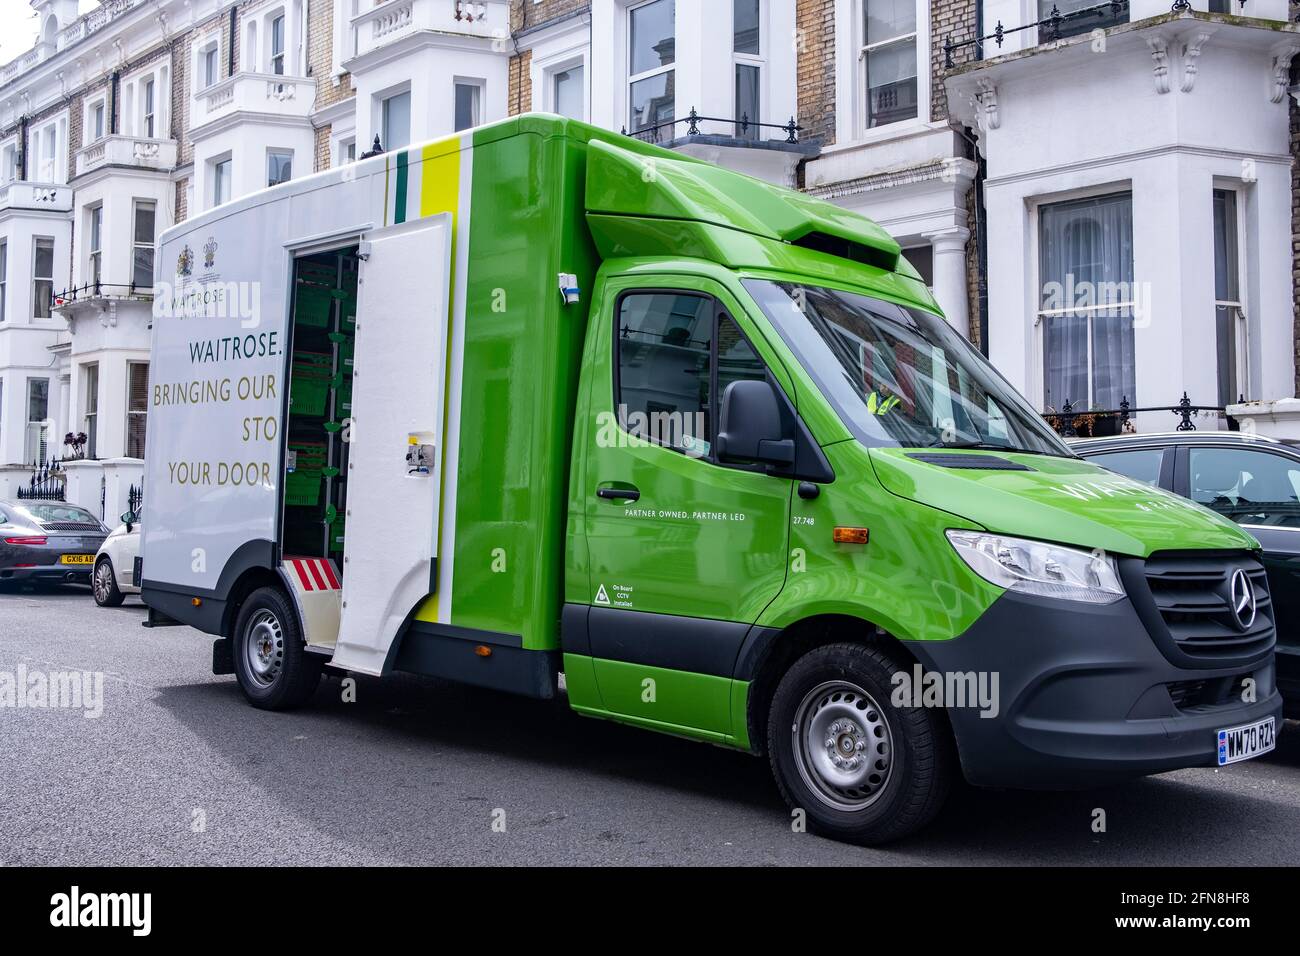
(219, 368)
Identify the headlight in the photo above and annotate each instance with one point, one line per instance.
(1032, 567)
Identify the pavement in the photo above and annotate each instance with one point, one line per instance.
(178, 769)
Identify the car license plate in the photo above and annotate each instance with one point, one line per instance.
(77, 559)
(1246, 741)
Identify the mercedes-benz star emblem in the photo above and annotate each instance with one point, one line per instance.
(1243, 599)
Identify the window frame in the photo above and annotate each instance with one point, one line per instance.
(275, 68)
(719, 308)
(1241, 325)
(633, 78)
(95, 244)
(218, 178)
(1038, 327)
(479, 86)
(29, 421)
(37, 279)
(862, 50)
(131, 414)
(136, 206)
(90, 407)
(210, 78)
(4, 279)
(384, 99)
(758, 61)
(272, 151)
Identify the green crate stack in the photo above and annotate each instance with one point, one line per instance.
(312, 305)
(302, 485)
(309, 383)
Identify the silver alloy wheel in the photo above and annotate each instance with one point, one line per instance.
(264, 647)
(843, 746)
(103, 581)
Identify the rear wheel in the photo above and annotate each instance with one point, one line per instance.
(104, 583)
(862, 769)
(274, 668)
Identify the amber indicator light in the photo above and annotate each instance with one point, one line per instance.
(850, 535)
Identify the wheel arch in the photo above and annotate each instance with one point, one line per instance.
(772, 651)
(249, 581)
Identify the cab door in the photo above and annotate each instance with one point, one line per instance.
(684, 551)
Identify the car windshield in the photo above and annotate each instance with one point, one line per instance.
(46, 512)
(901, 376)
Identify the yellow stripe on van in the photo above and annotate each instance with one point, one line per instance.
(439, 192)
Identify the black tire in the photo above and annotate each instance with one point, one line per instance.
(103, 584)
(274, 668)
(917, 755)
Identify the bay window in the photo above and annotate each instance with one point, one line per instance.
(90, 402)
(468, 99)
(1085, 268)
(652, 52)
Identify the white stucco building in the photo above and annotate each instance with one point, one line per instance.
(1101, 202)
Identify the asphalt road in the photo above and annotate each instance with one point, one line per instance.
(179, 770)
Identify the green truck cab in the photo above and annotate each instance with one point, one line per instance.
(734, 477)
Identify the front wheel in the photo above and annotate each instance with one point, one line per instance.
(274, 668)
(104, 583)
(861, 769)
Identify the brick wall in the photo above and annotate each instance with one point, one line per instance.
(182, 206)
(320, 58)
(322, 159)
(520, 98)
(525, 14)
(948, 18)
(815, 70)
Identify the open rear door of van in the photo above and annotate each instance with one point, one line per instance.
(395, 436)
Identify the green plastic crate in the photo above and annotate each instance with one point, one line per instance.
(312, 305)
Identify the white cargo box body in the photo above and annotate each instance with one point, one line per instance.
(218, 401)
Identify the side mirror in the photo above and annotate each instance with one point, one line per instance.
(128, 519)
(750, 428)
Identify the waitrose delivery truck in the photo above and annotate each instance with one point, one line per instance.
(539, 401)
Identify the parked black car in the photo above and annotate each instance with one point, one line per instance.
(1252, 480)
(48, 541)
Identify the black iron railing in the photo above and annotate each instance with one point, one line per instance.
(1070, 422)
(135, 497)
(1049, 28)
(742, 126)
(97, 290)
(47, 483)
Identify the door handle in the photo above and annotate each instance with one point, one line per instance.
(614, 494)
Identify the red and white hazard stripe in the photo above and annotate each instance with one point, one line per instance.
(314, 574)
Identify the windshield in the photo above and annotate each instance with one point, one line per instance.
(900, 376)
(56, 512)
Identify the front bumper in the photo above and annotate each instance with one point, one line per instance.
(1085, 697)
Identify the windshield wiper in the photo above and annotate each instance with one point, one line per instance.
(994, 446)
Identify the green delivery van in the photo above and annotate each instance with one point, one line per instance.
(551, 411)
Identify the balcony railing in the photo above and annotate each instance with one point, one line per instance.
(44, 197)
(288, 96)
(90, 291)
(1094, 423)
(1051, 28)
(740, 129)
(374, 25)
(132, 151)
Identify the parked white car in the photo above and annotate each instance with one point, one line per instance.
(115, 563)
